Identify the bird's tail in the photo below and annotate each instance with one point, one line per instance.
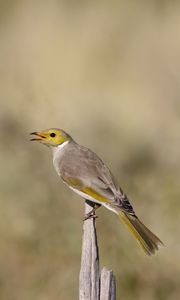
(147, 240)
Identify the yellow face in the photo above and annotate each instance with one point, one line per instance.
(51, 137)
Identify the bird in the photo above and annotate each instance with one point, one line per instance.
(84, 172)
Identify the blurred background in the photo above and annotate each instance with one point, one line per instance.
(107, 72)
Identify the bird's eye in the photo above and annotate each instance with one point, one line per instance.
(52, 134)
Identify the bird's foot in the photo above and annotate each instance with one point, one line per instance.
(90, 215)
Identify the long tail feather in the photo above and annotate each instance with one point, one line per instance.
(147, 240)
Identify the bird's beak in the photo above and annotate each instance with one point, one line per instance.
(40, 136)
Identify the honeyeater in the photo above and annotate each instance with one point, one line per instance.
(87, 175)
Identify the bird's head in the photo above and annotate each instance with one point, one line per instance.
(51, 137)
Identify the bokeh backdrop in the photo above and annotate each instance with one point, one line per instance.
(107, 72)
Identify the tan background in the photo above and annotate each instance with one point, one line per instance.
(108, 72)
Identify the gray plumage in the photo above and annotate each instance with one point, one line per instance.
(76, 161)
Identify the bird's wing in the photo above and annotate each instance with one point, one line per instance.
(88, 174)
(98, 193)
(119, 200)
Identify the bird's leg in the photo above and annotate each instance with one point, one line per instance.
(92, 213)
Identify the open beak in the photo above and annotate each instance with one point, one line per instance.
(39, 137)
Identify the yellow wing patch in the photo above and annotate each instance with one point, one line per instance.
(73, 182)
(89, 191)
(77, 184)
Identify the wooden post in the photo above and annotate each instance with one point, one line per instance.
(91, 286)
(108, 285)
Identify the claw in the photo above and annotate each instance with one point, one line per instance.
(90, 216)
(92, 213)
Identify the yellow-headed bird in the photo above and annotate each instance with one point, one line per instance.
(86, 174)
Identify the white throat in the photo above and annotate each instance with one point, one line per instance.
(61, 146)
(58, 154)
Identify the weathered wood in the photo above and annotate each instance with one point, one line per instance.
(108, 285)
(91, 286)
(89, 280)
